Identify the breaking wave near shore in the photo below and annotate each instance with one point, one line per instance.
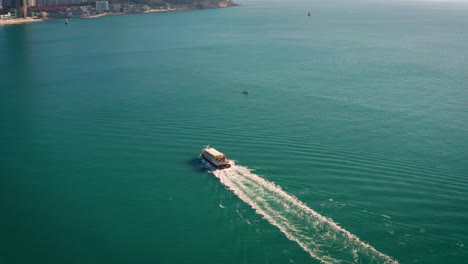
(322, 238)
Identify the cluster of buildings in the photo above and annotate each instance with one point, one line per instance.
(67, 8)
(6, 4)
(7, 17)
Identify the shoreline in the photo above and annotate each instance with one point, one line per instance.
(120, 14)
(176, 9)
(20, 21)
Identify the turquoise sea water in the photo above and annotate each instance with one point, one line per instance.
(351, 145)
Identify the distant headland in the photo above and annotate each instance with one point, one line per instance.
(40, 10)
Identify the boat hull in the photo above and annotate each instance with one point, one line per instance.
(214, 164)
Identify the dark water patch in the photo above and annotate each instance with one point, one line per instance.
(195, 164)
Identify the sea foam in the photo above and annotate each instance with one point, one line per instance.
(318, 235)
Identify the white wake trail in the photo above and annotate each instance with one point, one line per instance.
(322, 238)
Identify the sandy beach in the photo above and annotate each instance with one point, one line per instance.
(19, 21)
(98, 15)
(159, 10)
(117, 14)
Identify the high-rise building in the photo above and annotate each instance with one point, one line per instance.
(102, 6)
(4, 5)
(20, 6)
(17, 4)
(117, 8)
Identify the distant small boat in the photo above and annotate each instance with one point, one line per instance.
(308, 13)
(66, 21)
(245, 92)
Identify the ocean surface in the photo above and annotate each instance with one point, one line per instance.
(350, 147)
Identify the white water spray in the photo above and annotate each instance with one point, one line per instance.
(322, 238)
